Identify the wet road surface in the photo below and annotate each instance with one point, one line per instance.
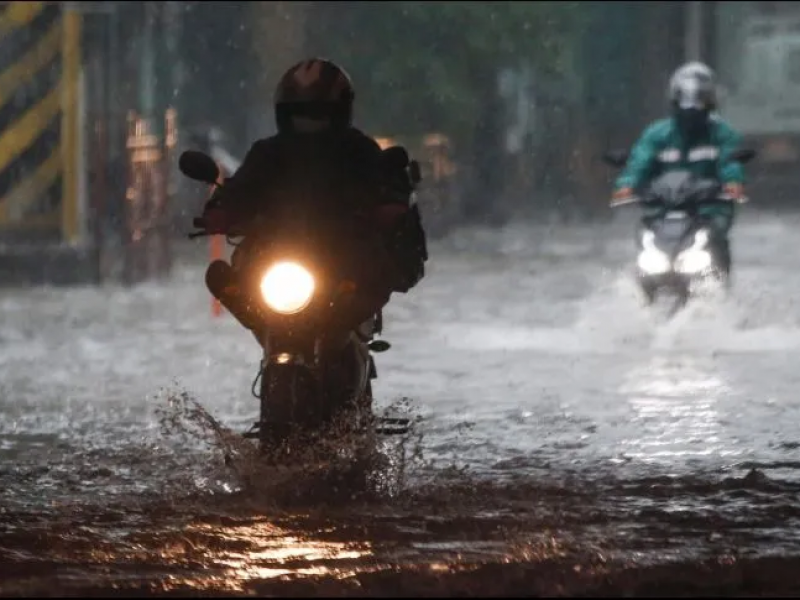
(569, 441)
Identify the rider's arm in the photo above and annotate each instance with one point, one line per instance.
(239, 191)
(730, 171)
(641, 160)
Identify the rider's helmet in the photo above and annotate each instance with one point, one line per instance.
(314, 95)
(693, 95)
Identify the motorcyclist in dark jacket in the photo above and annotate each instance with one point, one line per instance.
(318, 156)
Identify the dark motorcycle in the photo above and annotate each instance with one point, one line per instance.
(678, 245)
(294, 277)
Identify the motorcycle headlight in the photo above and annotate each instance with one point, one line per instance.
(693, 261)
(652, 261)
(287, 287)
(700, 239)
(696, 258)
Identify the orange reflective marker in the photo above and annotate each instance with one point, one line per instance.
(216, 247)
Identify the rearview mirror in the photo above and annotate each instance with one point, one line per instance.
(615, 158)
(743, 155)
(379, 346)
(198, 166)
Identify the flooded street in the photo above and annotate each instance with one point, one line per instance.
(570, 442)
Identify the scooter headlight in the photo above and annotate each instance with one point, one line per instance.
(287, 287)
(652, 261)
(693, 261)
(700, 239)
(696, 258)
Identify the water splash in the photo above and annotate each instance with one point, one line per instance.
(342, 466)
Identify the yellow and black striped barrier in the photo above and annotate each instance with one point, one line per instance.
(39, 74)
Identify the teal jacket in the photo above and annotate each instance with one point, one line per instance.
(661, 149)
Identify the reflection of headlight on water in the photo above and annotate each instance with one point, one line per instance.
(287, 287)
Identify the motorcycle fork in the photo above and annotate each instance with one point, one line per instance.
(282, 367)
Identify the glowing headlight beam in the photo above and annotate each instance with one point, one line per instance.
(696, 258)
(693, 261)
(287, 287)
(700, 239)
(649, 240)
(652, 260)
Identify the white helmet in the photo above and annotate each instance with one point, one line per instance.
(693, 86)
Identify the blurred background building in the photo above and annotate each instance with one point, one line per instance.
(507, 105)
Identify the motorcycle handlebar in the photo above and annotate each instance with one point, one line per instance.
(625, 201)
(634, 199)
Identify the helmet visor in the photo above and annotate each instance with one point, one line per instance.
(693, 93)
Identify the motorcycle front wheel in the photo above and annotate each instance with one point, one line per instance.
(291, 404)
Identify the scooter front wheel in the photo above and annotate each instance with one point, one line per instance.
(649, 289)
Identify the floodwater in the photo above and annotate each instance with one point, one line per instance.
(568, 441)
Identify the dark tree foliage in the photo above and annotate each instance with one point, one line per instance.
(424, 66)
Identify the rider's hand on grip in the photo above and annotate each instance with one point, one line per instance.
(621, 196)
(736, 192)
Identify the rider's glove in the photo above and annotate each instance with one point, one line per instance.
(735, 191)
(621, 196)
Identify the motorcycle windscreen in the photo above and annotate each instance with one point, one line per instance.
(670, 233)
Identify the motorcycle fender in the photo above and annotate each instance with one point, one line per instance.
(283, 400)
